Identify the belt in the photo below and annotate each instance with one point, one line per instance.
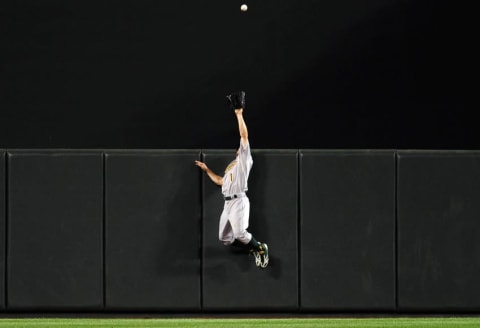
(234, 196)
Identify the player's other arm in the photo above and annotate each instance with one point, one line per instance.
(218, 180)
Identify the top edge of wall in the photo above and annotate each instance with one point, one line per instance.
(86, 150)
(306, 150)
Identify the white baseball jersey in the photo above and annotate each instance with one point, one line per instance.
(236, 174)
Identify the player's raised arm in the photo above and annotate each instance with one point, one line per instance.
(237, 102)
(242, 127)
(218, 180)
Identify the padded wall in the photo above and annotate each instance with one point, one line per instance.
(153, 209)
(231, 281)
(438, 231)
(347, 226)
(55, 230)
(2, 229)
(161, 232)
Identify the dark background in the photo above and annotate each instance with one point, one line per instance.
(154, 74)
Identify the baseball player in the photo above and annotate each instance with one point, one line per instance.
(236, 211)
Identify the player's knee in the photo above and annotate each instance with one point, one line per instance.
(226, 240)
(242, 236)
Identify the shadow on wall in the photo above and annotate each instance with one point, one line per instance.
(259, 220)
(176, 229)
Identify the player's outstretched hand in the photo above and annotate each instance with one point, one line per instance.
(236, 100)
(201, 165)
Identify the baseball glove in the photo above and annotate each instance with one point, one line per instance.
(236, 100)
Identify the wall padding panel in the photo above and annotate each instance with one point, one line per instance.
(55, 253)
(438, 231)
(153, 225)
(2, 229)
(347, 206)
(231, 281)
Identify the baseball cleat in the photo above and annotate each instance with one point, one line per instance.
(258, 258)
(264, 255)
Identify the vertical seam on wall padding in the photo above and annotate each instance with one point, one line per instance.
(104, 232)
(396, 229)
(299, 272)
(201, 250)
(6, 234)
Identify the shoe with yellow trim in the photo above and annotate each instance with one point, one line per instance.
(263, 252)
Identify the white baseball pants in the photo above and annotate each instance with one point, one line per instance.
(234, 221)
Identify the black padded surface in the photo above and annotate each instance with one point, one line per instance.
(2, 229)
(153, 222)
(55, 254)
(347, 230)
(231, 281)
(438, 229)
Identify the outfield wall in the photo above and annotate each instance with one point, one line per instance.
(137, 231)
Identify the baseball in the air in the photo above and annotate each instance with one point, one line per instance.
(243, 7)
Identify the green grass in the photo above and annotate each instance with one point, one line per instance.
(462, 322)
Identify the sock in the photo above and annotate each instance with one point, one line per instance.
(253, 244)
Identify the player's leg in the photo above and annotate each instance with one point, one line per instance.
(239, 220)
(260, 249)
(225, 232)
